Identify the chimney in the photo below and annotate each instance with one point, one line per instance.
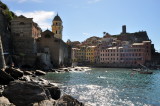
(124, 29)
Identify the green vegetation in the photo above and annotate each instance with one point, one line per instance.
(115, 36)
(8, 14)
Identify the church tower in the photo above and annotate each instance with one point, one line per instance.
(57, 27)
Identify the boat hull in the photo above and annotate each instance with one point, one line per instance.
(146, 72)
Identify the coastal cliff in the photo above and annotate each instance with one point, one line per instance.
(5, 32)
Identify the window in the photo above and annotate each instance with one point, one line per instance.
(21, 23)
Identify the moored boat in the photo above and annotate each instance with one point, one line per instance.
(146, 72)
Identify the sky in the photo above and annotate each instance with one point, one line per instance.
(85, 18)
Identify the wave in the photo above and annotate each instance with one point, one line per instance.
(101, 77)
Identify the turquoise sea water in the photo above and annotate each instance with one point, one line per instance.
(110, 87)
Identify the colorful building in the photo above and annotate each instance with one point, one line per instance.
(127, 55)
(90, 54)
(57, 27)
(75, 54)
(81, 54)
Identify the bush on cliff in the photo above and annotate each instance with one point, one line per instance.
(8, 14)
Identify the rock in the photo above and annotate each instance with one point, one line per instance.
(45, 103)
(38, 72)
(43, 81)
(64, 69)
(15, 73)
(25, 78)
(24, 93)
(34, 75)
(27, 73)
(68, 100)
(5, 102)
(1, 94)
(53, 70)
(54, 92)
(76, 69)
(5, 78)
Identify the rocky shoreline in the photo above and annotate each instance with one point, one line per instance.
(25, 88)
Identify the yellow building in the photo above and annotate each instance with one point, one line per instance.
(57, 27)
(81, 54)
(90, 54)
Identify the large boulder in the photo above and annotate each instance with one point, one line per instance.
(15, 73)
(54, 92)
(68, 100)
(5, 102)
(39, 72)
(24, 93)
(5, 78)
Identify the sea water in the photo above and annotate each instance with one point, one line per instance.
(110, 86)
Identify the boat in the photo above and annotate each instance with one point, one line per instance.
(136, 69)
(145, 70)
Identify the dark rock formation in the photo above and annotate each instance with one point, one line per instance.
(24, 93)
(15, 73)
(5, 78)
(38, 72)
(54, 92)
(2, 60)
(68, 100)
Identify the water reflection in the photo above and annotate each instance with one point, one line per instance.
(105, 87)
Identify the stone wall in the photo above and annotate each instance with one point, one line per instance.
(24, 31)
(5, 35)
(59, 51)
(136, 37)
(65, 54)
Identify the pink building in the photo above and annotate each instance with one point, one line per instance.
(127, 55)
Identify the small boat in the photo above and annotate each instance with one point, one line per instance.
(143, 70)
(146, 72)
(136, 69)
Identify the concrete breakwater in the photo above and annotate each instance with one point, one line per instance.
(26, 88)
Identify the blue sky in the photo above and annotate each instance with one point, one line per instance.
(85, 18)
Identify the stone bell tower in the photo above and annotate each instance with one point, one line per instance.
(57, 27)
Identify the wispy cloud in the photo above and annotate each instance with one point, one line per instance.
(93, 1)
(43, 18)
(86, 34)
(22, 1)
